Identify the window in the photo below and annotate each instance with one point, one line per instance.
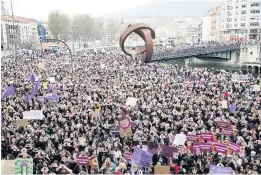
(255, 4)
(243, 12)
(255, 11)
(253, 31)
(254, 24)
(229, 25)
(236, 6)
(254, 17)
(235, 19)
(243, 18)
(229, 19)
(229, 14)
(243, 24)
(235, 25)
(229, 7)
(244, 6)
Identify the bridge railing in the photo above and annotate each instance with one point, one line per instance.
(194, 51)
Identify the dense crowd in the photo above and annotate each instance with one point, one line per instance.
(172, 100)
(179, 51)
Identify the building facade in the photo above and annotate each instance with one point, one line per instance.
(241, 20)
(177, 32)
(24, 33)
(211, 25)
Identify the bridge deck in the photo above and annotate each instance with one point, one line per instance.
(194, 51)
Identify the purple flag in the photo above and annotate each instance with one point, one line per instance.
(168, 151)
(213, 169)
(40, 98)
(51, 87)
(252, 125)
(29, 96)
(52, 97)
(31, 78)
(152, 147)
(233, 108)
(9, 92)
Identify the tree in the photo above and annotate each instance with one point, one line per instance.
(84, 27)
(59, 24)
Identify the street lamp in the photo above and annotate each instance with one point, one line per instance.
(70, 52)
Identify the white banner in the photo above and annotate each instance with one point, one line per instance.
(33, 115)
(51, 79)
(240, 78)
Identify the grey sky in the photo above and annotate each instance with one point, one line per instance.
(40, 9)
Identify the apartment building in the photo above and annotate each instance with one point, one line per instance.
(24, 32)
(241, 20)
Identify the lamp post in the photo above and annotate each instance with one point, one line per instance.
(41, 42)
(14, 34)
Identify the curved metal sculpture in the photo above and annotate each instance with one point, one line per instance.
(146, 33)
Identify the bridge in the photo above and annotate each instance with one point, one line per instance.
(222, 51)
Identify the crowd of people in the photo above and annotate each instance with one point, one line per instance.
(194, 49)
(84, 120)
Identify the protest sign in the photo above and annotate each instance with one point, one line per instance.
(205, 146)
(206, 136)
(220, 148)
(126, 133)
(221, 124)
(240, 78)
(128, 155)
(162, 169)
(234, 147)
(45, 84)
(95, 114)
(51, 79)
(145, 148)
(168, 151)
(192, 137)
(152, 147)
(82, 140)
(145, 159)
(224, 104)
(24, 166)
(228, 131)
(213, 169)
(33, 115)
(7, 166)
(232, 108)
(41, 65)
(131, 101)
(256, 88)
(40, 98)
(82, 160)
(180, 139)
(21, 122)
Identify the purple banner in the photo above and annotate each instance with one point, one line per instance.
(213, 169)
(168, 151)
(152, 148)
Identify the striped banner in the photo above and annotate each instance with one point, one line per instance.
(228, 131)
(220, 148)
(192, 137)
(234, 147)
(128, 156)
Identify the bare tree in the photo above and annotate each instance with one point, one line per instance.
(59, 24)
(84, 27)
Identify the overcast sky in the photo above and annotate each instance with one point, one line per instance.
(40, 9)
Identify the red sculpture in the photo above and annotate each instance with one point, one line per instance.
(146, 33)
